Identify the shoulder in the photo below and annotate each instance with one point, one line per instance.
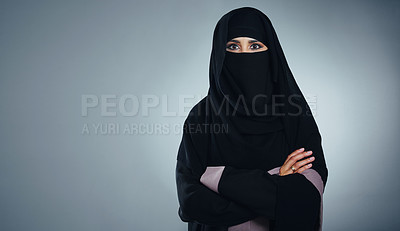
(198, 112)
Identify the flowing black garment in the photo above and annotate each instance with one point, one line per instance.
(228, 128)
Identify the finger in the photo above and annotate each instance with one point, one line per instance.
(293, 159)
(283, 172)
(299, 164)
(294, 153)
(305, 167)
(297, 157)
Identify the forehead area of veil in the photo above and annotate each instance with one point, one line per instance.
(246, 24)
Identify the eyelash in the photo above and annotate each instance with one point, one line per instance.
(259, 46)
(230, 46)
(233, 44)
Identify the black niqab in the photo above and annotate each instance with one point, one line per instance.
(252, 134)
(287, 124)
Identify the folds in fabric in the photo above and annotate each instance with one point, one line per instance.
(250, 146)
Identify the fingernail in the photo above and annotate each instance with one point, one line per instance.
(309, 152)
(301, 149)
(312, 158)
(309, 165)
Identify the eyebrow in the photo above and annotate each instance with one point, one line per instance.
(237, 41)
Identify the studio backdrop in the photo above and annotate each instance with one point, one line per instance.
(93, 95)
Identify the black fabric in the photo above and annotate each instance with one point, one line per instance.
(203, 208)
(250, 188)
(297, 203)
(246, 24)
(247, 140)
(248, 75)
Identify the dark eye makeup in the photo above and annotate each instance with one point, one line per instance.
(232, 46)
(253, 46)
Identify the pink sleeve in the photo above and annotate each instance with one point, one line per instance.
(274, 171)
(257, 224)
(211, 177)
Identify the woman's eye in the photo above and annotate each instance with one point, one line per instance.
(232, 47)
(255, 46)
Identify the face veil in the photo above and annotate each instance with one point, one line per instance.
(248, 77)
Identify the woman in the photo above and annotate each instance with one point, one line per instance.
(250, 156)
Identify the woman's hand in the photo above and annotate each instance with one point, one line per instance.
(294, 165)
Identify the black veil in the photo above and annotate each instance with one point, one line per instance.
(204, 146)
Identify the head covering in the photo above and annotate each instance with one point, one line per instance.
(246, 138)
(248, 79)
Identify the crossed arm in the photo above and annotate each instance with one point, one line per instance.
(241, 195)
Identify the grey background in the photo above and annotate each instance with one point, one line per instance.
(54, 177)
